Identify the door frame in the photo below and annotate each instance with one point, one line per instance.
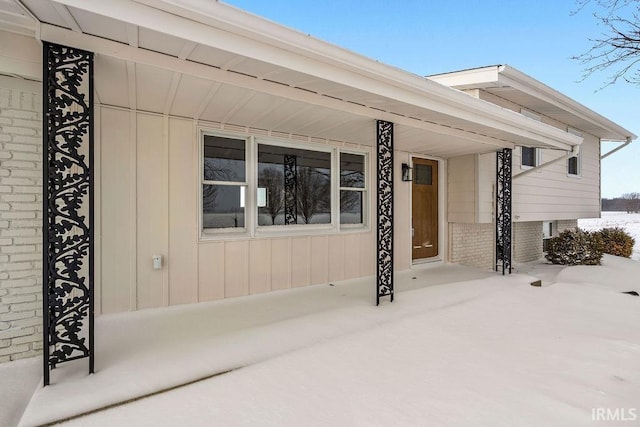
(442, 200)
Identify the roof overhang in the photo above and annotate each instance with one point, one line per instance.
(518, 87)
(206, 48)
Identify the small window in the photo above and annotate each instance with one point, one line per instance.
(224, 182)
(423, 174)
(548, 231)
(573, 165)
(353, 188)
(529, 156)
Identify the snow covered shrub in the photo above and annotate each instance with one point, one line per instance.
(616, 241)
(575, 247)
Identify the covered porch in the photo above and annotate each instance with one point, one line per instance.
(159, 73)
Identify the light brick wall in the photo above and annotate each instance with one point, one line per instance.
(527, 241)
(566, 224)
(472, 244)
(20, 219)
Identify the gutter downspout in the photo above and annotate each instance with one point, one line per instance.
(617, 148)
(575, 150)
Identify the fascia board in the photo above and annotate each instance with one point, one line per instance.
(476, 78)
(290, 49)
(509, 76)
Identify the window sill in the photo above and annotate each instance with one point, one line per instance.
(281, 232)
(574, 176)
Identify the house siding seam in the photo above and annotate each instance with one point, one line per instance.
(20, 219)
(472, 244)
(527, 241)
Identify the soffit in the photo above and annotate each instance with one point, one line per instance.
(127, 83)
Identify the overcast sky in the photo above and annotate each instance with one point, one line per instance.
(428, 37)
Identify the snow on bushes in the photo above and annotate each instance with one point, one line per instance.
(616, 241)
(575, 247)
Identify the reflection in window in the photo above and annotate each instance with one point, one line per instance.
(352, 188)
(224, 182)
(529, 156)
(297, 184)
(224, 159)
(351, 170)
(423, 174)
(573, 166)
(222, 206)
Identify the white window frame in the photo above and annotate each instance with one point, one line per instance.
(579, 156)
(229, 231)
(537, 157)
(251, 228)
(364, 190)
(266, 230)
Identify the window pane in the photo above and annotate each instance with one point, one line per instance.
(224, 159)
(351, 207)
(528, 156)
(573, 165)
(298, 186)
(423, 174)
(351, 170)
(222, 206)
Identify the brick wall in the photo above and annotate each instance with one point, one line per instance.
(566, 224)
(527, 241)
(472, 244)
(20, 219)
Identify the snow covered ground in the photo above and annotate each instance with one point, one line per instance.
(492, 351)
(629, 222)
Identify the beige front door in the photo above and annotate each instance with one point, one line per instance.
(424, 196)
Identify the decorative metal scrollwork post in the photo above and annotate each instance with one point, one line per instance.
(290, 189)
(384, 272)
(503, 210)
(67, 206)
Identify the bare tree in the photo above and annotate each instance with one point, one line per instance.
(273, 181)
(618, 47)
(632, 202)
(213, 171)
(314, 189)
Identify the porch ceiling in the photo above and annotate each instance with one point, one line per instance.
(151, 70)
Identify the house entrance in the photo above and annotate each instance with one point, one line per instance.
(424, 196)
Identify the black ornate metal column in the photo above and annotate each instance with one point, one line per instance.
(503, 210)
(67, 206)
(290, 189)
(384, 273)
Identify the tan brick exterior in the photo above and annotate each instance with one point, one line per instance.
(527, 241)
(20, 219)
(472, 244)
(566, 224)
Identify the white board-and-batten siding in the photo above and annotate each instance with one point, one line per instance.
(148, 189)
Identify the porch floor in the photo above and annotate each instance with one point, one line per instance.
(148, 351)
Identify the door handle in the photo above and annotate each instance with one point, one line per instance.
(417, 247)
